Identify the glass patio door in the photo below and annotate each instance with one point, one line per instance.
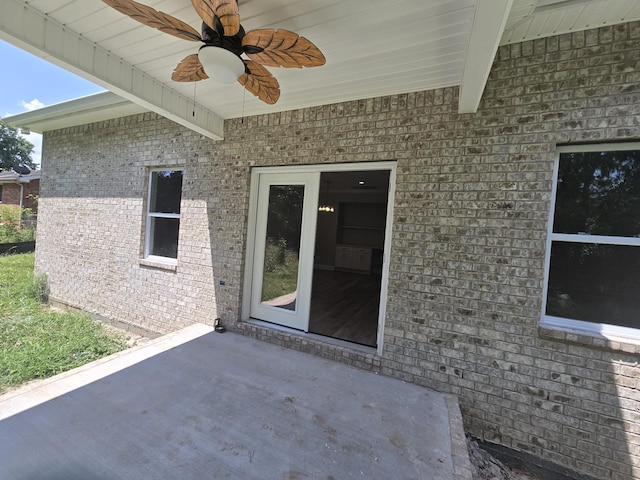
(283, 253)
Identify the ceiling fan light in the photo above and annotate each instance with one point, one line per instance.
(221, 65)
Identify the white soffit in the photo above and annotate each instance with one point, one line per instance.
(533, 19)
(373, 48)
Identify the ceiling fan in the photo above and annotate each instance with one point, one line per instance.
(229, 53)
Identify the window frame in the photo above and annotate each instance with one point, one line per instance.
(149, 216)
(606, 330)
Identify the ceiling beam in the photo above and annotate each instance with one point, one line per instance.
(488, 25)
(551, 5)
(33, 31)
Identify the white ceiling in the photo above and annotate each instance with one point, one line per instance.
(372, 47)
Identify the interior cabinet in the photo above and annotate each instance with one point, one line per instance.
(362, 224)
(353, 258)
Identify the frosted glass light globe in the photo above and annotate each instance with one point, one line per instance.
(221, 65)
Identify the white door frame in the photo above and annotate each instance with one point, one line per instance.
(297, 318)
(344, 167)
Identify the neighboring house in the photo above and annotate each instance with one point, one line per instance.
(493, 255)
(20, 189)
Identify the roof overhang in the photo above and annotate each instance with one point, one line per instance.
(13, 177)
(81, 111)
(39, 33)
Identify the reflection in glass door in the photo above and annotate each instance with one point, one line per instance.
(283, 253)
(282, 246)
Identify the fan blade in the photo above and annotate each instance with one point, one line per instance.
(281, 48)
(189, 70)
(153, 18)
(260, 82)
(225, 10)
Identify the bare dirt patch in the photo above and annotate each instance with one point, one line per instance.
(487, 467)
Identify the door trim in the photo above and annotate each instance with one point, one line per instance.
(252, 218)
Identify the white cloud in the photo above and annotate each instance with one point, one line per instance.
(36, 139)
(32, 105)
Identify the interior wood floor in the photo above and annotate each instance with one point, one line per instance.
(345, 305)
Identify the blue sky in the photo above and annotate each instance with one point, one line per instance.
(29, 82)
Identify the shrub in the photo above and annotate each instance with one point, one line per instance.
(10, 229)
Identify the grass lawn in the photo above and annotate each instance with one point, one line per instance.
(280, 275)
(36, 342)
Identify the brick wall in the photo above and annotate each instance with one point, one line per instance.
(11, 194)
(468, 241)
(91, 223)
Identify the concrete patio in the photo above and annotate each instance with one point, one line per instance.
(198, 404)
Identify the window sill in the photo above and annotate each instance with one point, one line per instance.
(587, 338)
(159, 263)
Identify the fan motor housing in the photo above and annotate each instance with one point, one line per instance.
(213, 38)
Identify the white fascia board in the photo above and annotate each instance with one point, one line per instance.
(33, 31)
(488, 25)
(80, 111)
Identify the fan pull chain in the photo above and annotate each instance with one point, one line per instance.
(193, 113)
(244, 96)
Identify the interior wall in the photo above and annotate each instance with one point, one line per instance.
(326, 232)
(330, 231)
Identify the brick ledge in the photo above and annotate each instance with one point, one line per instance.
(589, 339)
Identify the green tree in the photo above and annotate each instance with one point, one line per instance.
(15, 151)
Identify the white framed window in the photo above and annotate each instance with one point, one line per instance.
(163, 214)
(592, 281)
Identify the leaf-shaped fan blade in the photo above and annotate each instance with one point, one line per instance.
(153, 18)
(189, 70)
(225, 10)
(281, 48)
(260, 82)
